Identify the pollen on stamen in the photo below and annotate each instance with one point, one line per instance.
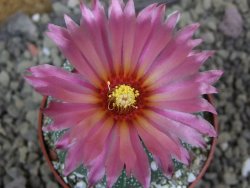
(122, 98)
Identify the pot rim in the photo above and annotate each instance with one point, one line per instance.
(65, 185)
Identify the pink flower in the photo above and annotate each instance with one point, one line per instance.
(134, 79)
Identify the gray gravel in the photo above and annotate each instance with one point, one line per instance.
(225, 27)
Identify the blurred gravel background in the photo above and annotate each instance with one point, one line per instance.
(225, 27)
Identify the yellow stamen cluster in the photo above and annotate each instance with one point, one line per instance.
(122, 97)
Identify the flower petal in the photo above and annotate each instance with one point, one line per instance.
(159, 38)
(95, 141)
(186, 89)
(126, 147)
(102, 44)
(116, 32)
(113, 163)
(47, 88)
(97, 166)
(173, 19)
(71, 52)
(174, 54)
(158, 148)
(192, 121)
(209, 77)
(141, 170)
(189, 67)
(144, 126)
(68, 120)
(81, 36)
(143, 29)
(182, 131)
(73, 158)
(49, 70)
(96, 172)
(129, 35)
(59, 108)
(64, 141)
(187, 106)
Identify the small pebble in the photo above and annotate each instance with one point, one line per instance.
(246, 168)
(80, 184)
(191, 177)
(154, 166)
(36, 17)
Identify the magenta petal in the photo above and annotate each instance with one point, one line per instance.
(147, 12)
(209, 77)
(144, 126)
(72, 53)
(95, 141)
(186, 89)
(69, 120)
(46, 88)
(64, 142)
(89, 39)
(126, 146)
(129, 9)
(95, 174)
(142, 33)
(157, 148)
(188, 106)
(187, 32)
(58, 108)
(71, 25)
(46, 70)
(193, 121)
(97, 168)
(182, 131)
(172, 20)
(116, 32)
(157, 41)
(73, 158)
(113, 163)
(173, 55)
(88, 53)
(141, 170)
(129, 35)
(189, 67)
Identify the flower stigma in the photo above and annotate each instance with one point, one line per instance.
(122, 97)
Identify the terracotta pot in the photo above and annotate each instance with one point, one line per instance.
(51, 155)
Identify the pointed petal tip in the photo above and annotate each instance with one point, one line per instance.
(219, 73)
(130, 8)
(196, 25)
(213, 132)
(66, 172)
(175, 15)
(214, 112)
(67, 19)
(53, 27)
(195, 42)
(28, 79)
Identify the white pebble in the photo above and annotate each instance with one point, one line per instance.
(36, 17)
(246, 168)
(224, 146)
(65, 179)
(191, 177)
(178, 173)
(78, 175)
(46, 51)
(153, 166)
(80, 184)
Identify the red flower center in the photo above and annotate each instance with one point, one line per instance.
(123, 98)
